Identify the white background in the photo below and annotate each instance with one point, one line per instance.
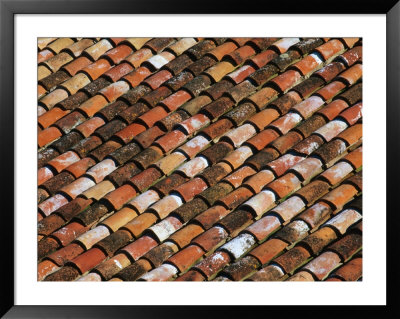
(372, 290)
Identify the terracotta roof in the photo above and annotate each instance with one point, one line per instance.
(199, 159)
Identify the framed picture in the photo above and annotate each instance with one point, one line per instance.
(225, 151)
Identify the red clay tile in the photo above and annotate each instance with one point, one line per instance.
(193, 167)
(268, 250)
(240, 74)
(171, 140)
(222, 50)
(157, 61)
(285, 185)
(184, 236)
(351, 75)
(191, 188)
(352, 56)
(163, 273)
(44, 55)
(263, 58)
(259, 180)
(309, 106)
(194, 123)
(211, 216)
(289, 208)
(287, 122)
(93, 236)
(77, 187)
(69, 232)
(239, 135)
(351, 135)
(136, 76)
(64, 160)
(315, 214)
(61, 256)
(114, 90)
(337, 172)
(323, 264)
(158, 78)
(287, 141)
(213, 264)
(347, 246)
(51, 117)
(45, 268)
(352, 114)
(218, 128)
(88, 259)
(269, 273)
(170, 162)
(355, 158)
(73, 208)
(329, 72)
(120, 196)
(98, 49)
(129, 132)
(284, 44)
(263, 118)
(145, 179)
(176, 100)
(240, 55)
(102, 169)
(48, 135)
(136, 58)
(353, 94)
(308, 64)
(287, 80)
(120, 218)
(186, 257)
(282, 164)
(330, 90)
(139, 247)
(76, 65)
(166, 205)
(261, 202)
(165, 227)
(340, 195)
(333, 109)
(238, 156)
(237, 177)
(93, 105)
(119, 53)
(235, 198)
(351, 271)
(142, 201)
(194, 146)
(331, 129)
(344, 220)
(87, 128)
(96, 69)
(80, 167)
(52, 204)
(330, 49)
(264, 227)
(140, 223)
(292, 259)
(152, 116)
(350, 41)
(44, 174)
(314, 190)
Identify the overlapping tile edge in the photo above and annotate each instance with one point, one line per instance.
(199, 159)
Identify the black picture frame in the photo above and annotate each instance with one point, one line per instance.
(9, 8)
